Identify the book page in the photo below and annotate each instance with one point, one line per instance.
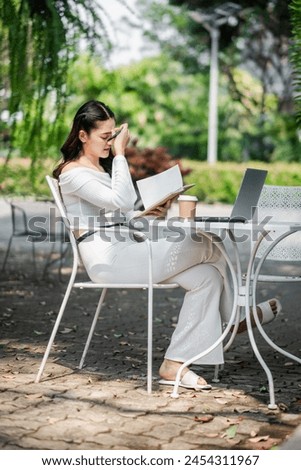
(155, 188)
(163, 201)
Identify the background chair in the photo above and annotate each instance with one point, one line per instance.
(139, 237)
(20, 223)
(281, 204)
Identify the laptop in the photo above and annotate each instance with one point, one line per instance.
(246, 201)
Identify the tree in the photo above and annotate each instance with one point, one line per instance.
(259, 43)
(167, 107)
(39, 40)
(159, 100)
(295, 9)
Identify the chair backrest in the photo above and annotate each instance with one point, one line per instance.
(19, 219)
(55, 191)
(282, 203)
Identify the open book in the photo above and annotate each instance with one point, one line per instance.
(158, 189)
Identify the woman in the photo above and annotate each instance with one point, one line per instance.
(97, 190)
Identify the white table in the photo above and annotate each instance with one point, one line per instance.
(244, 289)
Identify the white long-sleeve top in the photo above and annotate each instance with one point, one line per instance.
(94, 199)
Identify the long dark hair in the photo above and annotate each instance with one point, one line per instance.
(85, 119)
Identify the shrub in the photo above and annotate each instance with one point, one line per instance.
(150, 161)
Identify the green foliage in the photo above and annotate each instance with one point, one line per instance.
(257, 43)
(38, 42)
(295, 9)
(167, 107)
(246, 133)
(271, 12)
(163, 105)
(218, 183)
(15, 178)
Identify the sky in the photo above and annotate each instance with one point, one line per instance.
(129, 39)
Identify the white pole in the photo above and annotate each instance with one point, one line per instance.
(213, 99)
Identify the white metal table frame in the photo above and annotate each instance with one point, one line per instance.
(244, 290)
(252, 277)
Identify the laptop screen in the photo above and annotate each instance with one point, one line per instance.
(249, 193)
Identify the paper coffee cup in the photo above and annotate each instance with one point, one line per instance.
(187, 206)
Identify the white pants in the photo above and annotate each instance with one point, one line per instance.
(194, 263)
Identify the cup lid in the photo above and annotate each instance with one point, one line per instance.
(186, 197)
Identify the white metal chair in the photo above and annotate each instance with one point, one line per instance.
(139, 237)
(21, 228)
(277, 204)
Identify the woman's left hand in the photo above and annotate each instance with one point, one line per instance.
(161, 211)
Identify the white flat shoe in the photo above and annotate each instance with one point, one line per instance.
(189, 380)
(267, 313)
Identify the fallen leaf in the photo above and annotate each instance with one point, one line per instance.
(235, 420)
(56, 359)
(228, 393)
(221, 401)
(258, 438)
(65, 331)
(234, 441)
(231, 431)
(204, 418)
(36, 332)
(34, 396)
(253, 433)
(282, 407)
(19, 358)
(270, 443)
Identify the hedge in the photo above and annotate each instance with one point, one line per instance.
(213, 183)
(220, 182)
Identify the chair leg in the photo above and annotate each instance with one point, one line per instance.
(216, 374)
(34, 259)
(63, 252)
(150, 340)
(49, 261)
(7, 252)
(91, 332)
(55, 328)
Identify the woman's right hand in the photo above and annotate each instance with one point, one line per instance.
(121, 141)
